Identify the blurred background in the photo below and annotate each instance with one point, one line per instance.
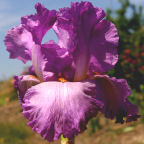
(128, 16)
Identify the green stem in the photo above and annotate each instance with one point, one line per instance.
(66, 140)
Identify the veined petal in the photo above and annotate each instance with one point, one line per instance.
(19, 43)
(20, 40)
(23, 83)
(39, 23)
(55, 108)
(49, 60)
(103, 47)
(76, 22)
(114, 93)
(66, 38)
(93, 40)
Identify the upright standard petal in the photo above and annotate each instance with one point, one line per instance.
(93, 40)
(75, 21)
(66, 38)
(103, 47)
(114, 93)
(19, 43)
(39, 23)
(50, 61)
(55, 108)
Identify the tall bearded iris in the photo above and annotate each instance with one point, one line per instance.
(66, 85)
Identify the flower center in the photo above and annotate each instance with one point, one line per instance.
(62, 79)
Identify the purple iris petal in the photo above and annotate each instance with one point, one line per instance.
(19, 43)
(87, 44)
(49, 60)
(39, 23)
(103, 47)
(55, 108)
(23, 83)
(113, 93)
(31, 71)
(94, 40)
(20, 40)
(66, 38)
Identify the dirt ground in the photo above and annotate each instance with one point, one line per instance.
(111, 133)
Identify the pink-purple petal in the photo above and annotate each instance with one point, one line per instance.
(55, 108)
(77, 22)
(103, 47)
(66, 38)
(50, 61)
(39, 23)
(19, 43)
(114, 93)
(91, 37)
(23, 83)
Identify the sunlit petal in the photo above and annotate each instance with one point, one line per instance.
(91, 40)
(19, 43)
(49, 60)
(39, 23)
(55, 108)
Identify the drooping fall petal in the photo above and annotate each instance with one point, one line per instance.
(23, 83)
(114, 93)
(86, 45)
(55, 108)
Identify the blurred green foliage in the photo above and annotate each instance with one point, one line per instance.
(129, 21)
(138, 99)
(7, 92)
(94, 125)
(14, 133)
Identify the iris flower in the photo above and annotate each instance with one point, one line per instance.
(67, 85)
